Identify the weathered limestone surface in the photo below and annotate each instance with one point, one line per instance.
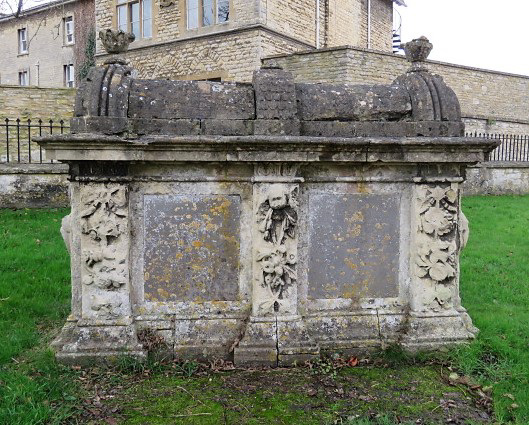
(33, 185)
(267, 222)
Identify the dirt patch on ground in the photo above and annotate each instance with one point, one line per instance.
(309, 395)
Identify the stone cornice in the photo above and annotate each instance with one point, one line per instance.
(255, 27)
(96, 147)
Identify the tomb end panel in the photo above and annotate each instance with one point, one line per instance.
(354, 246)
(192, 247)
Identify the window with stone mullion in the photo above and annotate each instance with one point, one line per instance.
(135, 17)
(207, 12)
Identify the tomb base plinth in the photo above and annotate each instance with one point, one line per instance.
(275, 341)
(431, 332)
(85, 343)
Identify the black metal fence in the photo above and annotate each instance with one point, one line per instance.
(513, 148)
(16, 143)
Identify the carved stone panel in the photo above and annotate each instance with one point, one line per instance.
(437, 246)
(192, 247)
(354, 245)
(104, 238)
(276, 248)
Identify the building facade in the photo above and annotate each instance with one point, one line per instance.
(226, 39)
(45, 46)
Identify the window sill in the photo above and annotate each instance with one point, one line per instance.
(142, 42)
(23, 54)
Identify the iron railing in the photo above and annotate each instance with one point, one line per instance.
(15, 139)
(16, 144)
(513, 147)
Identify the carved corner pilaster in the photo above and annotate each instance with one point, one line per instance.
(438, 235)
(105, 327)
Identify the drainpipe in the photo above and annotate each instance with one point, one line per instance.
(317, 24)
(369, 24)
(38, 73)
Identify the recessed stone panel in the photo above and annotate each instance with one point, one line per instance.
(354, 246)
(192, 247)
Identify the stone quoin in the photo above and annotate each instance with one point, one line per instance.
(264, 222)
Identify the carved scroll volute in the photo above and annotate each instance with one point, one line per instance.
(275, 249)
(104, 251)
(436, 250)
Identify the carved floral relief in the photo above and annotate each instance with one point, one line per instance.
(277, 255)
(437, 223)
(103, 224)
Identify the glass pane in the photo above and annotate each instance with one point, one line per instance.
(223, 10)
(147, 28)
(122, 18)
(146, 17)
(146, 9)
(135, 19)
(192, 14)
(207, 13)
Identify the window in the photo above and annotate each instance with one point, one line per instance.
(207, 12)
(22, 40)
(23, 78)
(69, 76)
(68, 30)
(135, 17)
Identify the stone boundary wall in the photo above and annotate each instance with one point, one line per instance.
(36, 102)
(491, 101)
(497, 178)
(34, 186)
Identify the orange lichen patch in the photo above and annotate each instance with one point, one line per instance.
(362, 187)
(350, 264)
(350, 293)
(197, 244)
(163, 293)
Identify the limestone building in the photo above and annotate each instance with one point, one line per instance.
(45, 45)
(226, 39)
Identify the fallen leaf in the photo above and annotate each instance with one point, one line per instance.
(507, 395)
(353, 361)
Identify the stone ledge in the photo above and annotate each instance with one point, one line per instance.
(10, 168)
(502, 164)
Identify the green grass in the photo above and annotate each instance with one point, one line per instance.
(495, 290)
(35, 296)
(34, 301)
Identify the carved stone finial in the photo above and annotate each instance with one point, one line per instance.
(417, 50)
(115, 42)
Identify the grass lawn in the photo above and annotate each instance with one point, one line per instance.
(34, 301)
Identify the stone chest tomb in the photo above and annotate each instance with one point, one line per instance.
(267, 222)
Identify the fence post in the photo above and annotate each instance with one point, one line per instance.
(51, 132)
(7, 139)
(29, 140)
(40, 135)
(18, 139)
